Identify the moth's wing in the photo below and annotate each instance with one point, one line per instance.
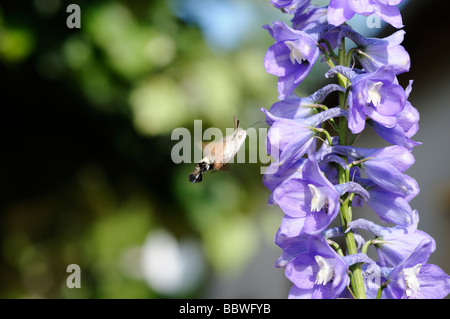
(214, 151)
(202, 145)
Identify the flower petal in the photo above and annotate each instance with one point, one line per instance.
(339, 12)
(293, 197)
(390, 207)
(434, 283)
(387, 176)
(394, 135)
(277, 60)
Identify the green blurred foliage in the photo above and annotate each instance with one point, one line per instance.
(86, 123)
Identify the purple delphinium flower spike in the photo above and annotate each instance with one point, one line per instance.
(413, 278)
(336, 177)
(291, 57)
(340, 11)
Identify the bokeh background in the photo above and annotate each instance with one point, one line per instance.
(86, 122)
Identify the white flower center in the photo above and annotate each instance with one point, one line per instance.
(319, 199)
(326, 271)
(293, 6)
(412, 284)
(296, 55)
(374, 93)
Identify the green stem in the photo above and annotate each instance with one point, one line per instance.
(380, 290)
(316, 105)
(353, 138)
(336, 247)
(356, 277)
(330, 50)
(342, 81)
(382, 287)
(350, 54)
(333, 125)
(366, 246)
(352, 284)
(351, 292)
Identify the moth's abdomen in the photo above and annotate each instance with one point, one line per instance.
(197, 175)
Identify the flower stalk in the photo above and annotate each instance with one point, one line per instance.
(356, 278)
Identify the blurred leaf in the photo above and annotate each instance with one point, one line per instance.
(158, 105)
(231, 243)
(15, 44)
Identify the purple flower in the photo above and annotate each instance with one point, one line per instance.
(373, 277)
(340, 11)
(311, 202)
(272, 178)
(389, 206)
(288, 139)
(295, 107)
(292, 246)
(407, 125)
(374, 53)
(376, 95)
(394, 135)
(385, 167)
(291, 57)
(312, 17)
(408, 119)
(326, 159)
(318, 272)
(413, 278)
(290, 6)
(395, 243)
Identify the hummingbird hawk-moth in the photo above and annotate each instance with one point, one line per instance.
(218, 153)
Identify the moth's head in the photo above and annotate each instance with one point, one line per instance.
(240, 134)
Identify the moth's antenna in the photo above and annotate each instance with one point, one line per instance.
(237, 122)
